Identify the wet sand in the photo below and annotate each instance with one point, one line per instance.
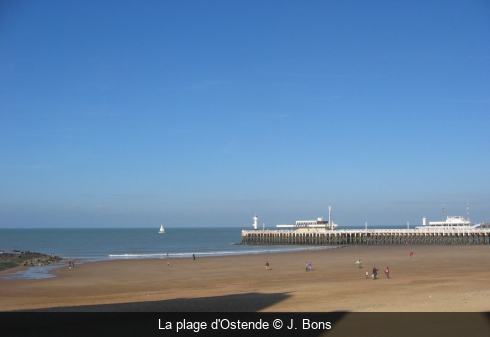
(437, 279)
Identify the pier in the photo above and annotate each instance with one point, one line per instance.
(367, 237)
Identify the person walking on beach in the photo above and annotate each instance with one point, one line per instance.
(266, 265)
(367, 274)
(375, 273)
(193, 256)
(387, 272)
(306, 265)
(310, 266)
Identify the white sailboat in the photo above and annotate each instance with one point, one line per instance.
(161, 229)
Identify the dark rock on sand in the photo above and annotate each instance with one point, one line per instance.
(25, 258)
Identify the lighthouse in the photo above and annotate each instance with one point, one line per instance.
(256, 219)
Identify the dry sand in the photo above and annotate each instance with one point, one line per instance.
(437, 279)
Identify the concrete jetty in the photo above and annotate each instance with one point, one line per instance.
(368, 237)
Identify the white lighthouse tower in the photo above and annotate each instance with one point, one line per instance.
(256, 219)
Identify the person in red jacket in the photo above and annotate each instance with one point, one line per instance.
(387, 272)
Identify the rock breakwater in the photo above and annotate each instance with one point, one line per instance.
(26, 258)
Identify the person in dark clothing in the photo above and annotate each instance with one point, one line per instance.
(375, 273)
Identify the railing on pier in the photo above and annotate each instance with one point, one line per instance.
(371, 236)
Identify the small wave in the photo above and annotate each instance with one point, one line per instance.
(137, 255)
(249, 251)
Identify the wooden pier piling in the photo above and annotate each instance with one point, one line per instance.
(370, 237)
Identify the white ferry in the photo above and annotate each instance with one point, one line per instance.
(318, 224)
(452, 222)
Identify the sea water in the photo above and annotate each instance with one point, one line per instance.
(98, 244)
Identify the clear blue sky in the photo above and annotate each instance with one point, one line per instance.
(203, 113)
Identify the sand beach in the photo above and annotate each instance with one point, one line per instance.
(436, 279)
(449, 280)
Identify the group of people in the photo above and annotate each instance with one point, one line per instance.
(309, 267)
(71, 264)
(375, 270)
(375, 273)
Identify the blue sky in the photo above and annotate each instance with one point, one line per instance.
(203, 113)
